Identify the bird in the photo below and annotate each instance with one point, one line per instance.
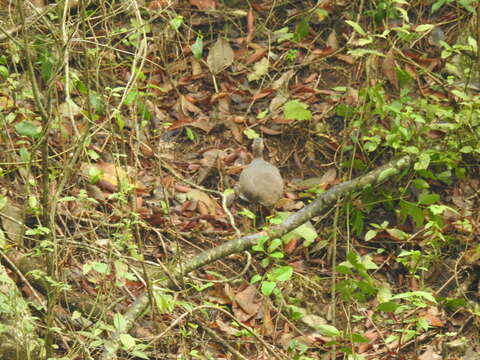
(260, 182)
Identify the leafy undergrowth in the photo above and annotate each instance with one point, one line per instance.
(124, 130)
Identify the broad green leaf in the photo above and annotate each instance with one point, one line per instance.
(119, 322)
(176, 22)
(250, 134)
(357, 338)
(27, 128)
(426, 198)
(370, 235)
(423, 162)
(295, 110)
(127, 341)
(283, 273)
(307, 232)
(197, 47)
(388, 306)
(267, 287)
(255, 279)
(101, 268)
(4, 71)
(274, 244)
(301, 30)
(328, 330)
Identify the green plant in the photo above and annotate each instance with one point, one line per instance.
(295, 110)
(291, 55)
(197, 46)
(357, 283)
(466, 4)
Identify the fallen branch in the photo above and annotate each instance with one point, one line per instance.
(293, 221)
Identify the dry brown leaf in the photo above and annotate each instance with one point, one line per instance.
(332, 40)
(277, 102)
(204, 123)
(388, 68)
(12, 221)
(227, 329)
(346, 58)
(269, 131)
(429, 354)
(220, 56)
(247, 300)
(282, 81)
(204, 4)
(188, 106)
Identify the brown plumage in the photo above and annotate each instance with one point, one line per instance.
(260, 181)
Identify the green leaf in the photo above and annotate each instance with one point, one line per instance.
(274, 244)
(344, 270)
(411, 209)
(267, 287)
(358, 338)
(277, 255)
(197, 47)
(251, 134)
(3, 201)
(95, 101)
(119, 322)
(260, 69)
(295, 110)
(370, 235)
(301, 30)
(426, 198)
(140, 354)
(307, 232)
(255, 279)
(423, 162)
(127, 341)
(4, 71)
(466, 149)
(356, 27)
(361, 52)
(424, 27)
(437, 5)
(176, 22)
(328, 330)
(29, 129)
(101, 268)
(388, 306)
(283, 273)
(190, 134)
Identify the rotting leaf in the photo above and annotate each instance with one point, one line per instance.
(220, 56)
(259, 70)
